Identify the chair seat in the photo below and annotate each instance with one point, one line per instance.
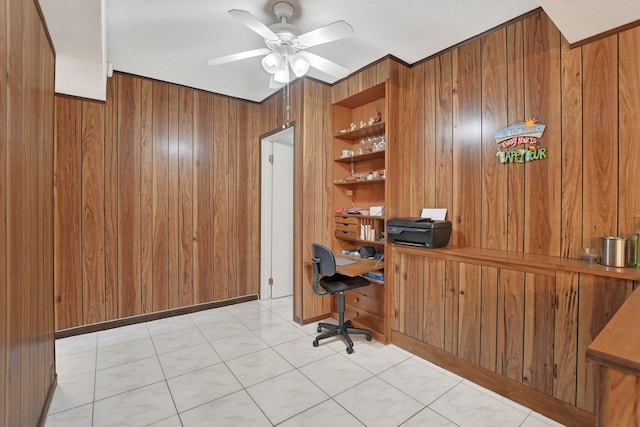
(340, 283)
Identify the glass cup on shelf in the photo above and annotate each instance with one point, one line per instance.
(363, 146)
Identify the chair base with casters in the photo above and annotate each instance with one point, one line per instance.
(324, 264)
(342, 329)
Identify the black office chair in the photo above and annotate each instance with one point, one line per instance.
(324, 264)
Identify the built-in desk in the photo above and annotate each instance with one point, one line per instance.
(616, 351)
(518, 324)
(359, 267)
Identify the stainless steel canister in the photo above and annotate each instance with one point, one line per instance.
(616, 252)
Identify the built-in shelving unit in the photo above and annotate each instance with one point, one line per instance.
(359, 180)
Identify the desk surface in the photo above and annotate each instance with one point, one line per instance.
(360, 267)
(618, 344)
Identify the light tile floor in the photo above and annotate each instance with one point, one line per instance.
(250, 365)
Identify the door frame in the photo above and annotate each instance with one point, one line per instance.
(286, 136)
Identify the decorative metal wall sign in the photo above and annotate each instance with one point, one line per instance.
(520, 143)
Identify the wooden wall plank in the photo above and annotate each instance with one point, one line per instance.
(93, 247)
(431, 141)
(443, 124)
(510, 340)
(234, 244)
(67, 191)
(203, 197)
(160, 195)
(14, 218)
(515, 113)
(254, 200)
(27, 212)
(185, 197)
(412, 298)
(467, 137)
(48, 307)
(5, 343)
(129, 268)
(452, 307)
(221, 214)
(434, 302)
(244, 181)
(321, 159)
(110, 201)
(572, 172)
(566, 337)
(470, 284)
(369, 77)
(542, 102)
(494, 117)
(489, 318)
(146, 196)
(600, 142)
(311, 192)
(413, 164)
(629, 133)
(4, 189)
(320, 115)
(173, 214)
(538, 347)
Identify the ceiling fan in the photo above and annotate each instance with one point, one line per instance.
(286, 47)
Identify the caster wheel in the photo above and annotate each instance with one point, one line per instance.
(319, 329)
(368, 337)
(348, 324)
(315, 343)
(349, 350)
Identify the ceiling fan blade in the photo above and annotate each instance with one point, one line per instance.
(324, 65)
(238, 56)
(330, 32)
(252, 22)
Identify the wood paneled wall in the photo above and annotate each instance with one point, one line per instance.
(156, 200)
(26, 209)
(589, 100)
(161, 202)
(157, 196)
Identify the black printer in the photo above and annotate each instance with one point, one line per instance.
(423, 232)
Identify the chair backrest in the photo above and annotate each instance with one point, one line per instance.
(324, 263)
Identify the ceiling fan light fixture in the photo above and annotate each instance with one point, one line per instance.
(272, 62)
(299, 65)
(282, 74)
(286, 47)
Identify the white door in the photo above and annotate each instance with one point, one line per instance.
(277, 215)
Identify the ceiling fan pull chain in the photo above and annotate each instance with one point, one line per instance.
(286, 108)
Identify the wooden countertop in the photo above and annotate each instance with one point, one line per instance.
(541, 264)
(618, 344)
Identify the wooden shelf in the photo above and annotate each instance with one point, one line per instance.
(363, 182)
(354, 135)
(364, 97)
(362, 157)
(381, 217)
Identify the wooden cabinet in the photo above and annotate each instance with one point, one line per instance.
(524, 324)
(359, 181)
(615, 354)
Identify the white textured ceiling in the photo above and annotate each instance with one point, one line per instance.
(171, 40)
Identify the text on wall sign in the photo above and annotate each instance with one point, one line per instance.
(519, 143)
